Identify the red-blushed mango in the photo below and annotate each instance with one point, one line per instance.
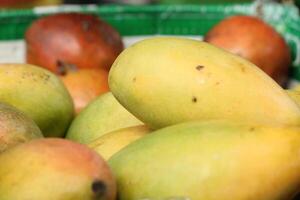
(212, 160)
(51, 169)
(168, 80)
(253, 39)
(79, 39)
(16, 127)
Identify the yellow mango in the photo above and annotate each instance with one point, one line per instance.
(168, 80)
(110, 143)
(212, 160)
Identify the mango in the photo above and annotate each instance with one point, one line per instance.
(103, 115)
(294, 95)
(168, 80)
(110, 143)
(16, 127)
(211, 160)
(54, 169)
(38, 93)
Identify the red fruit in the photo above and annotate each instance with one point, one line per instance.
(55, 169)
(85, 85)
(253, 39)
(72, 38)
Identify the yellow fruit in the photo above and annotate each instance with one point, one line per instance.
(211, 161)
(168, 80)
(40, 94)
(101, 116)
(295, 95)
(110, 143)
(54, 169)
(16, 127)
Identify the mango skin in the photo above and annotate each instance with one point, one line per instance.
(16, 127)
(295, 95)
(54, 169)
(109, 144)
(38, 93)
(169, 80)
(101, 116)
(211, 161)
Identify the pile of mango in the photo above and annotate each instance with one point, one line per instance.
(184, 120)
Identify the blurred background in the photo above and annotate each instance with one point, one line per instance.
(31, 3)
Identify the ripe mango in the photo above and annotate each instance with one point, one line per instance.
(110, 143)
(211, 161)
(103, 115)
(38, 93)
(168, 80)
(295, 95)
(15, 127)
(54, 169)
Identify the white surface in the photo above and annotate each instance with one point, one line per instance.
(14, 51)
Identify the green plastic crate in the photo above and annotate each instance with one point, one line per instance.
(188, 20)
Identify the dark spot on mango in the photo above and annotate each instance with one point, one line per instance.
(243, 69)
(194, 99)
(99, 188)
(218, 83)
(199, 67)
(252, 129)
(134, 79)
(46, 77)
(239, 54)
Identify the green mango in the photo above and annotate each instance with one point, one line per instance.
(169, 80)
(38, 93)
(103, 115)
(54, 169)
(15, 127)
(213, 160)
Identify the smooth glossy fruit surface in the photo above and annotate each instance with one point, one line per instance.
(168, 80)
(105, 114)
(295, 95)
(54, 169)
(110, 143)
(211, 161)
(78, 39)
(40, 94)
(85, 85)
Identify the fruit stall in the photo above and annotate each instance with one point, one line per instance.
(160, 101)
